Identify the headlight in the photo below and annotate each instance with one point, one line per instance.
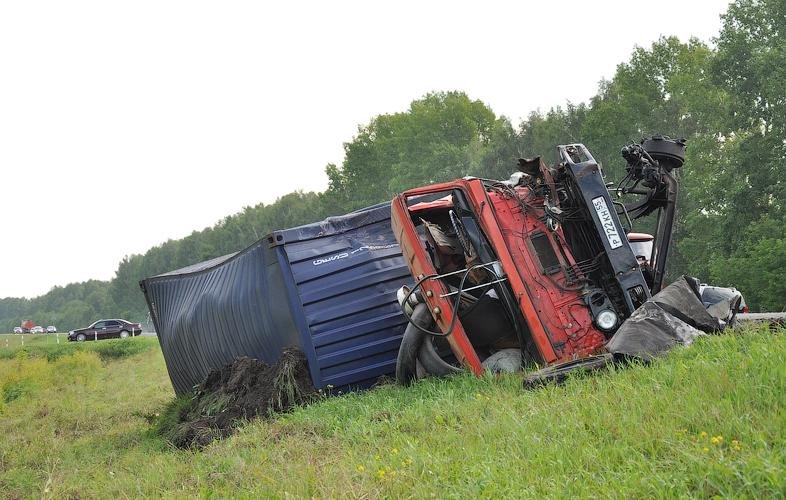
(606, 319)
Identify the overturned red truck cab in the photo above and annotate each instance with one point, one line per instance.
(534, 270)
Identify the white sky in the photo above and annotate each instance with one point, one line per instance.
(124, 124)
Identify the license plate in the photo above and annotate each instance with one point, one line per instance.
(607, 222)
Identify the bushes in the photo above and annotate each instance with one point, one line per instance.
(29, 369)
(25, 374)
(120, 348)
(105, 349)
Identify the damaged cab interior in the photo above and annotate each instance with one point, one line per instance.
(534, 270)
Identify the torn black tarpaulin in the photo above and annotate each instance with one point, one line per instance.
(649, 332)
(673, 316)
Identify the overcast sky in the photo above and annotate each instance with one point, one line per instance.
(124, 124)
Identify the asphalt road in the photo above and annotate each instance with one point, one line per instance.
(780, 317)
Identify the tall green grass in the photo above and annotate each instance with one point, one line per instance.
(703, 421)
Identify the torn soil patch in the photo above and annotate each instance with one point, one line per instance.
(243, 390)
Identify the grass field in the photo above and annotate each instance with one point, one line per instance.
(703, 421)
(12, 340)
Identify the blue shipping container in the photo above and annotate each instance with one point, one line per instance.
(328, 288)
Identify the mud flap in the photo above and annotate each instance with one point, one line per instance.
(558, 373)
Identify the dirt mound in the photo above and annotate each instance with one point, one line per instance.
(243, 390)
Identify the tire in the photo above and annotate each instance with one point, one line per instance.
(407, 359)
(417, 357)
(124, 334)
(81, 337)
(432, 364)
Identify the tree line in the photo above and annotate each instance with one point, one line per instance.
(728, 101)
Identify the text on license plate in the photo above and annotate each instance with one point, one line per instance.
(607, 222)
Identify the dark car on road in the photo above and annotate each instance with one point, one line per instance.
(106, 329)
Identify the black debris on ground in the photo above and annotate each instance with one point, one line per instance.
(557, 374)
(242, 390)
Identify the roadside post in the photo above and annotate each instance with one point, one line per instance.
(95, 335)
(23, 340)
(58, 337)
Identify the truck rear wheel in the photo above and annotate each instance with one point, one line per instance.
(417, 350)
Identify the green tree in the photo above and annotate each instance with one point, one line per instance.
(442, 136)
(541, 133)
(756, 266)
(747, 192)
(665, 89)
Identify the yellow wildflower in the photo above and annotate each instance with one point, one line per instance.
(381, 473)
(394, 451)
(717, 439)
(703, 434)
(361, 468)
(705, 450)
